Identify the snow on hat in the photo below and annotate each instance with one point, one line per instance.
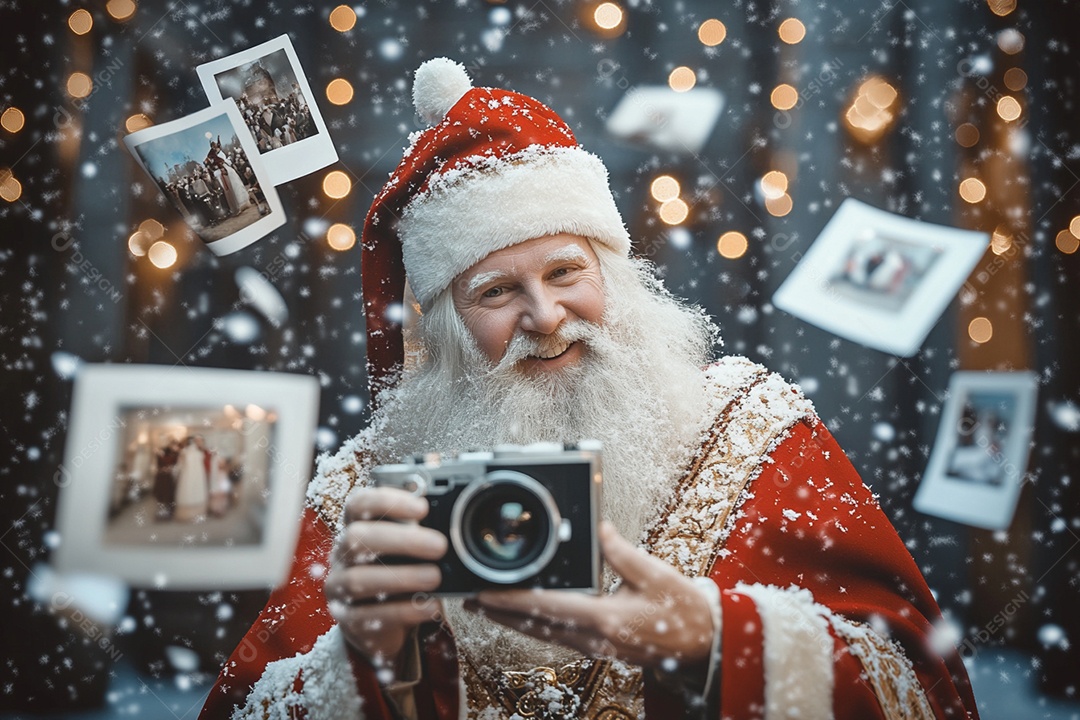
(496, 169)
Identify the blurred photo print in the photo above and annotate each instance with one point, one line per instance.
(206, 165)
(278, 108)
(185, 477)
(658, 117)
(880, 279)
(980, 455)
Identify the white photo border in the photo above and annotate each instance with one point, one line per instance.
(256, 230)
(102, 391)
(984, 506)
(806, 293)
(291, 161)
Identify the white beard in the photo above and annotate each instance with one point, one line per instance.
(638, 389)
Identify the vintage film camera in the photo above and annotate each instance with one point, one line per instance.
(518, 517)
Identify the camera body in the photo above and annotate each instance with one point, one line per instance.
(516, 517)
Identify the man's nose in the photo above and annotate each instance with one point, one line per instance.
(543, 314)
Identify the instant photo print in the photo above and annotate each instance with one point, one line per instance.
(659, 117)
(980, 455)
(880, 279)
(207, 166)
(278, 107)
(185, 478)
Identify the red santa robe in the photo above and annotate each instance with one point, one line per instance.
(823, 613)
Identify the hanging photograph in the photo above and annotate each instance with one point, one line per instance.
(206, 165)
(880, 279)
(980, 455)
(279, 111)
(196, 470)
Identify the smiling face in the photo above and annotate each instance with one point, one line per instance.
(535, 289)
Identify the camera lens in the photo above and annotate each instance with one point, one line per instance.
(503, 528)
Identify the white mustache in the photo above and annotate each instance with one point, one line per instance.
(522, 346)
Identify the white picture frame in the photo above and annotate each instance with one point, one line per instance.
(273, 63)
(657, 116)
(175, 156)
(978, 463)
(879, 279)
(120, 475)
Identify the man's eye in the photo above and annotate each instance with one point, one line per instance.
(493, 292)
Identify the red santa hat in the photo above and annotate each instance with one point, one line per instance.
(495, 169)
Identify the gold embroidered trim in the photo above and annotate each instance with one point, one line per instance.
(694, 527)
(890, 671)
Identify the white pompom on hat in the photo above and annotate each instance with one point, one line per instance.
(496, 169)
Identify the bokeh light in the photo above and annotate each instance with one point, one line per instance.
(1000, 241)
(674, 211)
(608, 16)
(12, 120)
(980, 330)
(120, 9)
(137, 122)
(1011, 41)
(712, 32)
(1001, 7)
(152, 229)
(1015, 79)
(773, 184)
(10, 187)
(967, 135)
(1065, 241)
(779, 206)
(792, 31)
(664, 188)
(162, 254)
(732, 245)
(339, 91)
(336, 184)
(340, 236)
(1074, 226)
(1008, 108)
(682, 79)
(874, 109)
(784, 97)
(79, 85)
(138, 243)
(80, 22)
(342, 18)
(972, 190)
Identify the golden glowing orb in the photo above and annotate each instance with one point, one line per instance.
(608, 16)
(681, 79)
(732, 245)
(1015, 79)
(340, 236)
(664, 188)
(80, 22)
(1011, 41)
(137, 122)
(339, 91)
(12, 120)
(779, 206)
(138, 243)
(674, 211)
(342, 18)
(162, 254)
(792, 31)
(1074, 226)
(1066, 242)
(784, 97)
(79, 85)
(121, 10)
(711, 32)
(774, 184)
(972, 190)
(10, 188)
(980, 330)
(336, 184)
(1008, 108)
(1001, 7)
(1000, 241)
(967, 135)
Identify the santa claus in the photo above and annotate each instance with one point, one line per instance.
(750, 573)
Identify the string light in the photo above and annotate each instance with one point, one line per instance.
(972, 190)
(967, 135)
(674, 211)
(873, 111)
(784, 97)
(711, 32)
(682, 79)
(79, 85)
(773, 184)
(80, 22)
(336, 184)
(339, 91)
(664, 188)
(120, 9)
(340, 237)
(342, 18)
(980, 330)
(792, 31)
(732, 245)
(162, 254)
(12, 120)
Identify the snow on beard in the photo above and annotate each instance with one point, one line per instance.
(638, 389)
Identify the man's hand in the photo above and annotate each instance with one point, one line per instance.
(657, 616)
(375, 604)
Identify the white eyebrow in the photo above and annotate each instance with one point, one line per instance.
(567, 252)
(484, 278)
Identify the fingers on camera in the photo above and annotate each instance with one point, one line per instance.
(378, 582)
(363, 541)
(384, 504)
(366, 619)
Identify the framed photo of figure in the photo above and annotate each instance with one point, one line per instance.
(206, 165)
(278, 107)
(979, 458)
(185, 478)
(880, 279)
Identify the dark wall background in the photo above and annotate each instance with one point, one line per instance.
(95, 300)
